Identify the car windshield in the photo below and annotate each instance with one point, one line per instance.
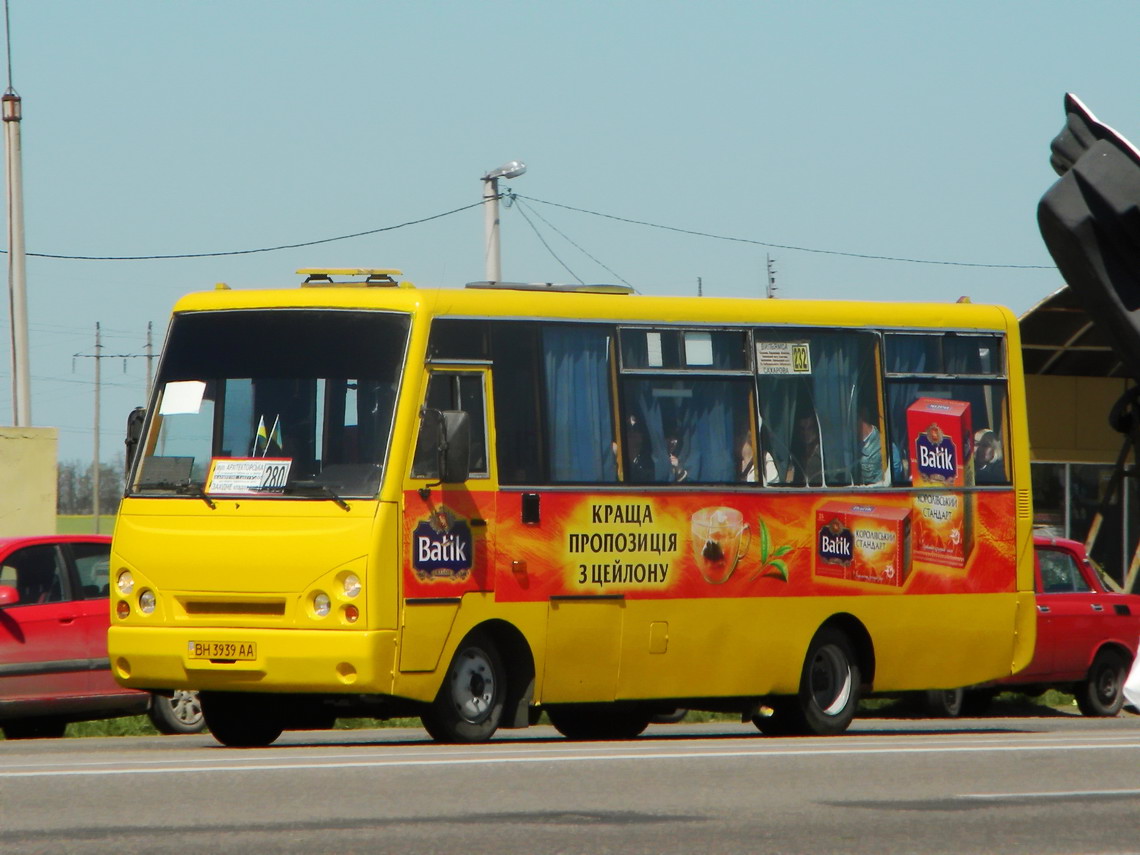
(273, 403)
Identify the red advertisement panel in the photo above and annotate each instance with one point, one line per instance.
(688, 545)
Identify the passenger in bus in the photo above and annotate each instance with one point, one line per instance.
(641, 469)
(988, 465)
(807, 461)
(747, 459)
(870, 449)
(677, 470)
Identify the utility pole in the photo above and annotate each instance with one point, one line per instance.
(149, 360)
(99, 356)
(17, 274)
(700, 287)
(493, 269)
(771, 289)
(95, 466)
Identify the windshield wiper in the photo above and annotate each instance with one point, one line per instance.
(323, 490)
(182, 488)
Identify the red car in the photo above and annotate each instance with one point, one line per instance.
(54, 616)
(1087, 635)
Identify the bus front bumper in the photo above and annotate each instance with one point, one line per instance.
(260, 660)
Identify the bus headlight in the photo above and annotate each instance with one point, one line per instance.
(351, 586)
(321, 604)
(125, 582)
(147, 601)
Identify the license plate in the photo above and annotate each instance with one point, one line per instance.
(233, 651)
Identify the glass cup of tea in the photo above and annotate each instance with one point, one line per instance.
(720, 537)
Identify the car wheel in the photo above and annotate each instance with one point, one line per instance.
(599, 721)
(469, 704)
(1102, 693)
(944, 703)
(240, 720)
(181, 713)
(34, 728)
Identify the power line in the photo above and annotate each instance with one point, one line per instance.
(564, 237)
(251, 251)
(519, 196)
(549, 249)
(866, 256)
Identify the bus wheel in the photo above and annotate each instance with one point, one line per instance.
(829, 684)
(469, 705)
(599, 721)
(828, 696)
(240, 720)
(1102, 692)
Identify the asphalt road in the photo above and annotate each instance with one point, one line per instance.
(1051, 784)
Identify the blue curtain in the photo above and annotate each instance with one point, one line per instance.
(835, 375)
(578, 410)
(704, 416)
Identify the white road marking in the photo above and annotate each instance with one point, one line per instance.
(1064, 794)
(416, 756)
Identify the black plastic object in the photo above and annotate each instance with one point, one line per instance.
(1090, 221)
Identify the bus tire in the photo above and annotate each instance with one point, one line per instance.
(239, 720)
(469, 704)
(599, 721)
(829, 689)
(181, 713)
(1102, 692)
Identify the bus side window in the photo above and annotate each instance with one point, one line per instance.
(819, 402)
(453, 391)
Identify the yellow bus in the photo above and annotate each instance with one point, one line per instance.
(475, 505)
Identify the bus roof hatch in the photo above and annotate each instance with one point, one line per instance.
(555, 286)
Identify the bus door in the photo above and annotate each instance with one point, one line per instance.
(449, 544)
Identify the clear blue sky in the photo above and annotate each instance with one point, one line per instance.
(915, 130)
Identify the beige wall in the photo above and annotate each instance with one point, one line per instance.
(27, 480)
(1068, 418)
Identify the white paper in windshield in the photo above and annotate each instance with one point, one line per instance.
(181, 397)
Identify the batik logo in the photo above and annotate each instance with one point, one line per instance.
(836, 543)
(442, 548)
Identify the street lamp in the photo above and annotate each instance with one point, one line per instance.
(493, 267)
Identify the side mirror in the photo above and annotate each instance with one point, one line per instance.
(9, 596)
(134, 433)
(454, 446)
(447, 434)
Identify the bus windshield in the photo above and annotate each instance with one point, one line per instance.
(299, 401)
